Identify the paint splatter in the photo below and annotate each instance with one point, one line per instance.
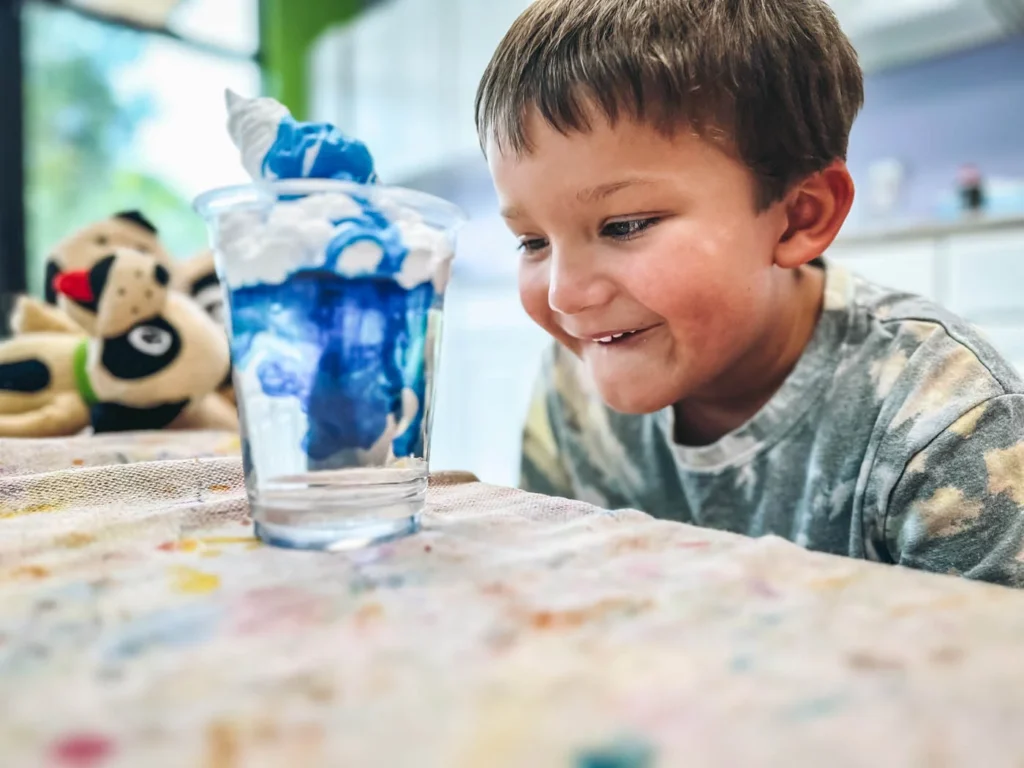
(948, 655)
(74, 540)
(223, 745)
(577, 617)
(32, 509)
(816, 708)
(869, 661)
(762, 588)
(209, 542)
(742, 663)
(217, 540)
(190, 581)
(368, 614)
(694, 544)
(29, 573)
(184, 626)
(82, 750)
(624, 753)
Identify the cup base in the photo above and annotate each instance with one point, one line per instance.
(337, 539)
(348, 513)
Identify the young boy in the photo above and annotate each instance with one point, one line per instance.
(674, 171)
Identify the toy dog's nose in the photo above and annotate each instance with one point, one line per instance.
(74, 285)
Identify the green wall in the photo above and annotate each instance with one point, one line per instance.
(288, 29)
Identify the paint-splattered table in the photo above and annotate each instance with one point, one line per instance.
(141, 625)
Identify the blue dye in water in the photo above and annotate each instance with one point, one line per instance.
(345, 348)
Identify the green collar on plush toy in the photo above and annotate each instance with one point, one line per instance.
(82, 375)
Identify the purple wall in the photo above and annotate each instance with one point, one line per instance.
(935, 116)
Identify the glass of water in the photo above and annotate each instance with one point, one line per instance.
(334, 293)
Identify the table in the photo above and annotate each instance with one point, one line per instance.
(142, 625)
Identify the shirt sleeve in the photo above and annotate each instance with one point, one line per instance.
(542, 465)
(959, 506)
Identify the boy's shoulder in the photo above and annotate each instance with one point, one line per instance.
(912, 344)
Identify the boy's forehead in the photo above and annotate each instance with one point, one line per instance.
(607, 153)
(586, 168)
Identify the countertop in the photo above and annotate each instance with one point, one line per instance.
(926, 229)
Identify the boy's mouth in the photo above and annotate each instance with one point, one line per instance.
(618, 337)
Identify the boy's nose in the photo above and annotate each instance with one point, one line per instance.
(574, 285)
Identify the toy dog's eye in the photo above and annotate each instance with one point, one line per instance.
(150, 340)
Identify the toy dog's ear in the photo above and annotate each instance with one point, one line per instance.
(136, 218)
(52, 270)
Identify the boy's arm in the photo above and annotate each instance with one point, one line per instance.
(542, 466)
(959, 506)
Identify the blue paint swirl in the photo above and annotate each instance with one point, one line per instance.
(335, 156)
(345, 348)
(371, 226)
(623, 753)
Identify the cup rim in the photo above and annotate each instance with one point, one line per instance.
(221, 197)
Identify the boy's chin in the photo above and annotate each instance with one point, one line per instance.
(636, 398)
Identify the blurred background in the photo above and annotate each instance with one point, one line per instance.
(116, 104)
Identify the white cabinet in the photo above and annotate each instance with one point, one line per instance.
(976, 271)
(986, 276)
(909, 267)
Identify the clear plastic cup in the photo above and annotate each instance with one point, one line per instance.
(334, 364)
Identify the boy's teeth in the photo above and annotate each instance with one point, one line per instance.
(613, 337)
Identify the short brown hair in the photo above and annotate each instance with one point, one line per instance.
(776, 79)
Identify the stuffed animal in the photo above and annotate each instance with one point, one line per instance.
(79, 251)
(145, 357)
(195, 277)
(127, 229)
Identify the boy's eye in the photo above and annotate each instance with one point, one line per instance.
(626, 230)
(532, 244)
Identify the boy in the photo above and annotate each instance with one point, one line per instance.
(674, 171)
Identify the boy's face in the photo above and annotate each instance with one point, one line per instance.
(623, 230)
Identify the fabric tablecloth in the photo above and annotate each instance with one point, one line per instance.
(141, 625)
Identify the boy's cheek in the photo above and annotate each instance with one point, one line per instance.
(533, 295)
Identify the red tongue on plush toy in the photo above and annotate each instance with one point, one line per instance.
(74, 285)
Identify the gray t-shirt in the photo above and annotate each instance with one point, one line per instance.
(898, 437)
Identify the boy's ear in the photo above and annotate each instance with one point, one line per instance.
(815, 210)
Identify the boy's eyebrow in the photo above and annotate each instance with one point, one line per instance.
(588, 195)
(593, 194)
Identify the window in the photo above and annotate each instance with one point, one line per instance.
(129, 114)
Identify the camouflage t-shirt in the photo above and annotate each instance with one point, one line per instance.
(898, 437)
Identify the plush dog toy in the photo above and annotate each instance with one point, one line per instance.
(145, 356)
(195, 277)
(127, 229)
